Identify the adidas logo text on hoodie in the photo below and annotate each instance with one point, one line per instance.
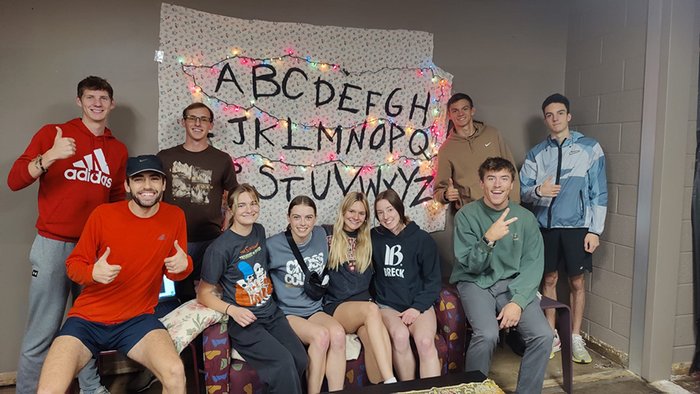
(91, 168)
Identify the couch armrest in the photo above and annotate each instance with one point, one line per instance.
(216, 348)
(451, 325)
(443, 353)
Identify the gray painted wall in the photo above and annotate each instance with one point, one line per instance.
(507, 54)
(604, 80)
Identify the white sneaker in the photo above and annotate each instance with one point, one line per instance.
(556, 344)
(578, 352)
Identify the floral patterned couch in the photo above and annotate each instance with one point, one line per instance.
(224, 375)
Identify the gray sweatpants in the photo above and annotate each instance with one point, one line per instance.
(481, 307)
(48, 293)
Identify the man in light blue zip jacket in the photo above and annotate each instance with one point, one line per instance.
(563, 180)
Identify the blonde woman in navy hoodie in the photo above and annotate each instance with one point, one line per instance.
(407, 283)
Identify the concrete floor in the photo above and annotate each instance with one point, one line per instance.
(600, 376)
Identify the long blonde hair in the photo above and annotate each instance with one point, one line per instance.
(340, 244)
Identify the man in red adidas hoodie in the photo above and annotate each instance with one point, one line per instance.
(79, 165)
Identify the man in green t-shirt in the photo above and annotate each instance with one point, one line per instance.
(499, 263)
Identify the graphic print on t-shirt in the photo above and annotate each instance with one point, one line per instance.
(295, 276)
(191, 182)
(255, 288)
(352, 242)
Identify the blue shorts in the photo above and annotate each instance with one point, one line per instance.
(121, 336)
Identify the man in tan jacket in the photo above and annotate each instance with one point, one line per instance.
(468, 144)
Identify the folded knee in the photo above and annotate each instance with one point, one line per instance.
(321, 340)
(174, 375)
(489, 337)
(373, 311)
(577, 284)
(550, 279)
(545, 337)
(400, 337)
(425, 344)
(337, 338)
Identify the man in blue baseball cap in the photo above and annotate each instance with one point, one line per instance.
(125, 249)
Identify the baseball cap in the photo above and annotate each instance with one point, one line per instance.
(139, 164)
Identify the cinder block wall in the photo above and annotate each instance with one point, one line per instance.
(604, 80)
(684, 340)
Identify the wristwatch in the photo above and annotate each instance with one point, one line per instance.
(488, 243)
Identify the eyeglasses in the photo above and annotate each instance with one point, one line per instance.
(194, 119)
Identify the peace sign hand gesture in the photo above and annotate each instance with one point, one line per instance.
(499, 228)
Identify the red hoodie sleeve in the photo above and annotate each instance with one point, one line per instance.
(19, 177)
(81, 261)
(181, 237)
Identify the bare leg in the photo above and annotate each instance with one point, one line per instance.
(156, 352)
(326, 340)
(549, 289)
(335, 358)
(353, 314)
(404, 362)
(66, 357)
(578, 302)
(371, 366)
(423, 331)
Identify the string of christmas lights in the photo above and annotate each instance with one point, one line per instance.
(324, 66)
(253, 109)
(333, 159)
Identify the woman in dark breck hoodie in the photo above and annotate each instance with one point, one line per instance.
(407, 283)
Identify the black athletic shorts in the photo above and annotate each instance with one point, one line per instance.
(564, 249)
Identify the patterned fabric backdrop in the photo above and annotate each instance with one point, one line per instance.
(315, 110)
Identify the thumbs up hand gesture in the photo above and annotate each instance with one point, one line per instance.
(451, 193)
(63, 147)
(102, 271)
(177, 262)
